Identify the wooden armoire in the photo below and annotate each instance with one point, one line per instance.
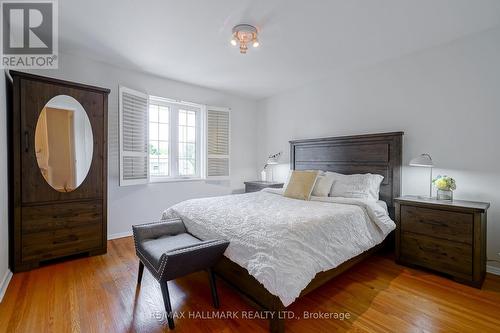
(57, 170)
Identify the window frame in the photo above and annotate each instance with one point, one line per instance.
(173, 140)
(202, 132)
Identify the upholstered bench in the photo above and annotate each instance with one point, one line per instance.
(168, 251)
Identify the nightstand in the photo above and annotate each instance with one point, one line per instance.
(258, 185)
(445, 236)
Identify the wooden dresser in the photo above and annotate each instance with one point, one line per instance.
(258, 185)
(445, 236)
(57, 170)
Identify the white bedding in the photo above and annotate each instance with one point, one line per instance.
(285, 242)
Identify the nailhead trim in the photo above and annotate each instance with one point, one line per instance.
(168, 221)
(197, 247)
(164, 257)
(138, 252)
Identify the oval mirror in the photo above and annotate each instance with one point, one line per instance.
(63, 143)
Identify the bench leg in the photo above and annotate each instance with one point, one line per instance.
(168, 306)
(277, 325)
(141, 270)
(277, 322)
(213, 288)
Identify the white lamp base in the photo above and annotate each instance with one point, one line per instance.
(263, 175)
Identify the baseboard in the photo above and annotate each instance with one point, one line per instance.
(120, 235)
(493, 270)
(5, 283)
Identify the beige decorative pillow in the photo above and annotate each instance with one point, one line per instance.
(301, 184)
(320, 173)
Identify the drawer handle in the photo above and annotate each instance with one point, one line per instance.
(432, 250)
(436, 223)
(70, 238)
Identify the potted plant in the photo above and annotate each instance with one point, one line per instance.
(445, 186)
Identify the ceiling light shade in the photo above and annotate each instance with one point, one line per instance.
(245, 34)
(423, 160)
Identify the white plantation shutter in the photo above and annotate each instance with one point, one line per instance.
(218, 142)
(134, 163)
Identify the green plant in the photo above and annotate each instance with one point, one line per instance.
(444, 183)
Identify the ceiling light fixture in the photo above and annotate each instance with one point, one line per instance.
(245, 34)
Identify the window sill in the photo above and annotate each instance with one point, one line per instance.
(155, 180)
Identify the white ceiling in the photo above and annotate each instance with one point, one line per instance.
(301, 40)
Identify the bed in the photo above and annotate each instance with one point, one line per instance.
(327, 235)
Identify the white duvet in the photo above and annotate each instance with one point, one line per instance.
(285, 242)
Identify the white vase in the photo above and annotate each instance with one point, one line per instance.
(263, 175)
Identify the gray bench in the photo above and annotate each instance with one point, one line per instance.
(168, 251)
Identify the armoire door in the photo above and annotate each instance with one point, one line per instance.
(35, 188)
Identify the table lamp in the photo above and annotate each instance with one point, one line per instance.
(271, 160)
(425, 161)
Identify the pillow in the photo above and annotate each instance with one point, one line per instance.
(301, 184)
(287, 179)
(320, 173)
(364, 186)
(323, 185)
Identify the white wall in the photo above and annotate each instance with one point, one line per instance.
(144, 203)
(4, 230)
(446, 100)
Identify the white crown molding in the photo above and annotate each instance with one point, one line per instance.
(5, 283)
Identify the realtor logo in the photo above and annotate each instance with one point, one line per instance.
(29, 34)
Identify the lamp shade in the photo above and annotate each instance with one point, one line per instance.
(423, 160)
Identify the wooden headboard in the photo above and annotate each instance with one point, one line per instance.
(370, 153)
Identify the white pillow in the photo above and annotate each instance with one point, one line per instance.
(323, 185)
(364, 186)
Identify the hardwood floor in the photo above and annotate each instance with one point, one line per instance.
(99, 294)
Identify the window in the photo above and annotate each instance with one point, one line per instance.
(175, 132)
(159, 140)
(172, 139)
(187, 143)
